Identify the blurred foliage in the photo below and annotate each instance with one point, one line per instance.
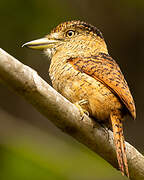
(38, 150)
(55, 159)
(16, 166)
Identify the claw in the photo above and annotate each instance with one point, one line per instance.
(81, 110)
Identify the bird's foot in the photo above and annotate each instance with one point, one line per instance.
(81, 110)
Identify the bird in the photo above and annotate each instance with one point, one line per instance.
(82, 70)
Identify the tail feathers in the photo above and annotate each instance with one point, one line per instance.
(119, 142)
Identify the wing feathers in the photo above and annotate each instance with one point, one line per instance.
(103, 68)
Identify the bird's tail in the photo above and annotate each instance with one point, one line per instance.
(119, 141)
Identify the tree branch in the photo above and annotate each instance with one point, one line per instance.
(27, 83)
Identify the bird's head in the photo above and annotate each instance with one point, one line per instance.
(73, 38)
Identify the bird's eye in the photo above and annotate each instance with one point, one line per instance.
(70, 33)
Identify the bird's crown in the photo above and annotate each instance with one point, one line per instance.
(83, 26)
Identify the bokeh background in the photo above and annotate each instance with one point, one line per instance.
(30, 146)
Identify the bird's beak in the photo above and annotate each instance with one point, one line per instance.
(41, 44)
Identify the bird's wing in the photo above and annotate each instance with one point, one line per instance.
(103, 68)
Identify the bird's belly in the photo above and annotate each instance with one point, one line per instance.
(76, 86)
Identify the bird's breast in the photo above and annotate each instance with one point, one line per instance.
(76, 86)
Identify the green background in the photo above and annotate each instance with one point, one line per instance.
(30, 146)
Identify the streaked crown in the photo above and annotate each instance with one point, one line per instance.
(78, 25)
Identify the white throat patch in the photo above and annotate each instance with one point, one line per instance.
(50, 52)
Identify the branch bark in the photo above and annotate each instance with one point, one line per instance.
(27, 83)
